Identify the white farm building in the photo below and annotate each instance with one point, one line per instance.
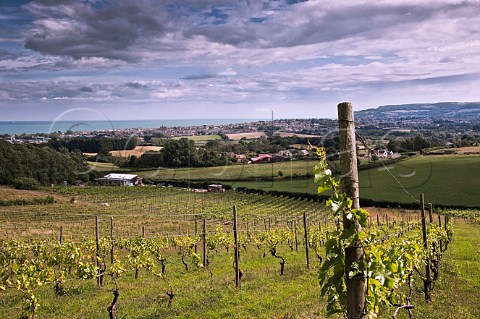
(120, 179)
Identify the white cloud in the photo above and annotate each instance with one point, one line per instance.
(226, 51)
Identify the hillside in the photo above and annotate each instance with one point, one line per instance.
(446, 111)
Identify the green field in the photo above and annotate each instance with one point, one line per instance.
(200, 139)
(103, 167)
(448, 180)
(232, 172)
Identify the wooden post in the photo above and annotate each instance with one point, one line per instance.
(204, 241)
(430, 212)
(349, 182)
(440, 225)
(236, 252)
(97, 242)
(61, 235)
(111, 240)
(427, 280)
(295, 234)
(305, 234)
(196, 231)
(143, 231)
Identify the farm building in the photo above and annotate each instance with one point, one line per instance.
(120, 179)
(216, 188)
(261, 158)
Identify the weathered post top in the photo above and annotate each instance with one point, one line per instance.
(348, 152)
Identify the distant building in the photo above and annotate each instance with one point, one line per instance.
(216, 188)
(238, 157)
(383, 153)
(10, 139)
(261, 158)
(285, 153)
(120, 179)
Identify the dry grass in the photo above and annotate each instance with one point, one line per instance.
(137, 151)
(288, 134)
(251, 135)
(9, 193)
(466, 150)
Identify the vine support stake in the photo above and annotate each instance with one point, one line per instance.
(236, 252)
(61, 235)
(349, 182)
(430, 212)
(111, 240)
(97, 242)
(196, 231)
(440, 225)
(204, 242)
(427, 281)
(295, 234)
(305, 234)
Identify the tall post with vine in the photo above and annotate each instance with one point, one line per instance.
(360, 270)
(349, 182)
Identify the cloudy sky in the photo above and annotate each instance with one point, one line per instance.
(166, 59)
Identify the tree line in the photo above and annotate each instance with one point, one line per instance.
(179, 153)
(95, 145)
(184, 152)
(39, 163)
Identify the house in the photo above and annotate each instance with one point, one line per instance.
(285, 153)
(10, 139)
(383, 153)
(238, 157)
(120, 179)
(303, 153)
(261, 158)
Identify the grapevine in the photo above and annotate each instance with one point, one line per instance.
(386, 265)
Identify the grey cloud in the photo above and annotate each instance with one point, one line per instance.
(134, 30)
(199, 77)
(86, 89)
(315, 22)
(134, 85)
(79, 30)
(307, 24)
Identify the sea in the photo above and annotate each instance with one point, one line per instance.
(46, 127)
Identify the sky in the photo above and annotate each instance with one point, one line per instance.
(165, 59)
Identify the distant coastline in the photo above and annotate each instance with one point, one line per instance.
(45, 127)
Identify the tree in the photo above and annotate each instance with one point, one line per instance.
(180, 153)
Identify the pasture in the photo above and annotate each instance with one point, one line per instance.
(200, 139)
(448, 180)
(233, 172)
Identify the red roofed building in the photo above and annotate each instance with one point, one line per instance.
(261, 158)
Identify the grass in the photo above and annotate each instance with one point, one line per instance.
(200, 139)
(232, 172)
(264, 293)
(103, 167)
(290, 296)
(455, 293)
(449, 180)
